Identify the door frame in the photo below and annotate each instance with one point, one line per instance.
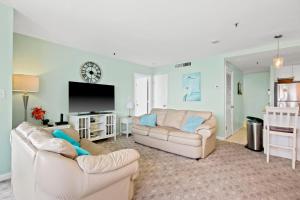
(228, 70)
(149, 90)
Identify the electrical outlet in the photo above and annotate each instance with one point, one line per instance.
(2, 94)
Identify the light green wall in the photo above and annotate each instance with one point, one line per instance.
(212, 87)
(56, 65)
(238, 111)
(256, 96)
(6, 45)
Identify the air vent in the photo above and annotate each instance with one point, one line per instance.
(186, 64)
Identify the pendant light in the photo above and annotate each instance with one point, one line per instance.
(278, 60)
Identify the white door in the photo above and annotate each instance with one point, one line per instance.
(160, 91)
(142, 94)
(229, 103)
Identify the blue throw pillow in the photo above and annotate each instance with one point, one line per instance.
(192, 123)
(62, 135)
(80, 151)
(148, 120)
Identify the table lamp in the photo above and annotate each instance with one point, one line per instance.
(25, 84)
(129, 106)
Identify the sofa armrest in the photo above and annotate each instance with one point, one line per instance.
(107, 163)
(211, 123)
(208, 135)
(135, 120)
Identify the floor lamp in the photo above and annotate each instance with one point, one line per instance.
(25, 84)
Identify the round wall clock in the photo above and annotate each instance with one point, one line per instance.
(90, 72)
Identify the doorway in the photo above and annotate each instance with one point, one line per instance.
(229, 103)
(160, 91)
(142, 94)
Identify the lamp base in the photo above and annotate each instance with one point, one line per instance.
(25, 102)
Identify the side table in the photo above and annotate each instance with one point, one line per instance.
(125, 125)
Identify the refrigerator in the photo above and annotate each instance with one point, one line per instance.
(287, 94)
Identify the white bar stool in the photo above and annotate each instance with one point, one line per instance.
(282, 122)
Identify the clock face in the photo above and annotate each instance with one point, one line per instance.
(90, 72)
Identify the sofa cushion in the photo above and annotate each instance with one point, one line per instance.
(62, 135)
(93, 148)
(192, 123)
(70, 132)
(26, 128)
(161, 114)
(148, 120)
(174, 118)
(185, 141)
(159, 133)
(108, 162)
(185, 135)
(142, 130)
(204, 114)
(81, 151)
(55, 145)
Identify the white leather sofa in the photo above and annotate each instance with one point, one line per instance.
(47, 168)
(167, 135)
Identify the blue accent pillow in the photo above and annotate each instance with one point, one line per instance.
(148, 120)
(62, 135)
(192, 123)
(80, 151)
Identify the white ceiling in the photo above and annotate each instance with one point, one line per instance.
(158, 32)
(260, 62)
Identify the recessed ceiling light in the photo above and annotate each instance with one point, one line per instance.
(215, 41)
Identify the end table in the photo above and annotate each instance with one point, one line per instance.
(125, 125)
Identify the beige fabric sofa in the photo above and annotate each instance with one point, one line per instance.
(167, 135)
(39, 174)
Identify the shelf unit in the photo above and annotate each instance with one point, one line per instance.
(95, 126)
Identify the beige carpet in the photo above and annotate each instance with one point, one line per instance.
(231, 172)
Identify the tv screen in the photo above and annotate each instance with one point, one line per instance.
(87, 97)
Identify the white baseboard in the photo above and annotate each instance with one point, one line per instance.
(4, 177)
(220, 138)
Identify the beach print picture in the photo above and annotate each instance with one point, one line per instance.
(192, 87)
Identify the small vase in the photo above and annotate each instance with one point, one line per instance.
(45, 121)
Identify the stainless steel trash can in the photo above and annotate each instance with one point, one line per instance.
(254, 133)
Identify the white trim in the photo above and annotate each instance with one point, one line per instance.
(4, 177)
(228, 71)
(220, 137)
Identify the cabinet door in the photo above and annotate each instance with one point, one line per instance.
(284, 72)
(296, 72)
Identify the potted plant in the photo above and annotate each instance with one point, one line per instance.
(39, 114)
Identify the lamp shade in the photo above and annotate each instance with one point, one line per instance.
(25, 83)
(129, 105)
(278, 62)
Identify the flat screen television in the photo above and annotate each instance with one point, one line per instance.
(88, 97)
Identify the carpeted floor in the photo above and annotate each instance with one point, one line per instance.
(231, 172)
